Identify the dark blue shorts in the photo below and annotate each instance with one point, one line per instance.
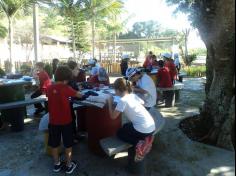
(58, 132)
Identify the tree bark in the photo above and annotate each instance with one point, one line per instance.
(10, 41)
(93, 35)
(73, 40)
(216, 25)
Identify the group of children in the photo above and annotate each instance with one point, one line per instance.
(168, 69)
(140, 127)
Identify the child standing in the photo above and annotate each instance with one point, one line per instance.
(141, 125)
(60, 119)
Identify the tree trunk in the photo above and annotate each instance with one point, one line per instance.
(10, 41)
(217, 29)
(114, 46)
(73, 41)
(93, 35)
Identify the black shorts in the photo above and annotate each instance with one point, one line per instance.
(58, 131)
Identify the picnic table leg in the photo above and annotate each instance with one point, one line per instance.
(16, 118)
(169, 97)
(177, 95)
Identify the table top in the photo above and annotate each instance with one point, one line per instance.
(101, 99)
(13, 82)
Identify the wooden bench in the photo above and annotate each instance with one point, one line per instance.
(16, 111)
(113, 145)
(171, 94)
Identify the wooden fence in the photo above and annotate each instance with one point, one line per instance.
(111, 67)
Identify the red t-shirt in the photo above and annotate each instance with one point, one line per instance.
(147, 62)
(44, 81)
(94, 80)
(59, 105)
(172, 69)
(164, 76)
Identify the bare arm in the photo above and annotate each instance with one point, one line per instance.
(139, 90)
(79, 95)
(112, 112)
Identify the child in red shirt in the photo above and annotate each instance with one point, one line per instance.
(44, 83)
(169, 63)
(60, 119)
(163, 76)
(148, 61)
(100, 78)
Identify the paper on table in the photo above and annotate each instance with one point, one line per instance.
(102, 98)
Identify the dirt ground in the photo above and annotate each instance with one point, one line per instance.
(23, 153)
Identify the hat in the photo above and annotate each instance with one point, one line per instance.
(166, 55)
(102, 74)
(131, 72)
(125, 56)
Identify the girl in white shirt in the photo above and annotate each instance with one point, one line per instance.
(141, 123)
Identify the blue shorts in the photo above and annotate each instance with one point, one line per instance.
(58, 131)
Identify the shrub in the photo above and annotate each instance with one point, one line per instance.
(25, 69)
(2, 73)
(195, 71)
(189, 59)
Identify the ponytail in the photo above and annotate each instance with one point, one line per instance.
(122, 85)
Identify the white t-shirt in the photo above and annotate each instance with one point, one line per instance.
(176, 61)
(146, 83)
(132, 106)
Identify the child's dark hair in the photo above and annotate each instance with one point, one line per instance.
(161, 63)
(72, 64)
(122, 85)
(63, 73)
(154, 57)
(40, 65)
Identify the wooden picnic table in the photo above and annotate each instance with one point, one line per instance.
(12, 90)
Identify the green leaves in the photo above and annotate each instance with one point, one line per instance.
(3, 31)
(11, 7)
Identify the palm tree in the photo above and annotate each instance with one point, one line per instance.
(95, 9)
(72, 11)
(10, 8)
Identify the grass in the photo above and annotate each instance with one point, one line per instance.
(195, 71)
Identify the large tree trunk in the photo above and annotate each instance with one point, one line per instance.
(216, 25)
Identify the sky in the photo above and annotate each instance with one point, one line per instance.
(157, 10)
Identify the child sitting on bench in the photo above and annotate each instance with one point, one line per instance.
(141, 127)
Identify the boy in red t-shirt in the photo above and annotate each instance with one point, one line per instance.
(60, 118)
(169, 63)
(163, 76)
(44, 81)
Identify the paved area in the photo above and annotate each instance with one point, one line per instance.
(173, 154)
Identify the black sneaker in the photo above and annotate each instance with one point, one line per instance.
(71, 168)
(57, 168)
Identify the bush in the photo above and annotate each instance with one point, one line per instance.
(195, 71)
(25, 69)
(190, 58)
(2, 73)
